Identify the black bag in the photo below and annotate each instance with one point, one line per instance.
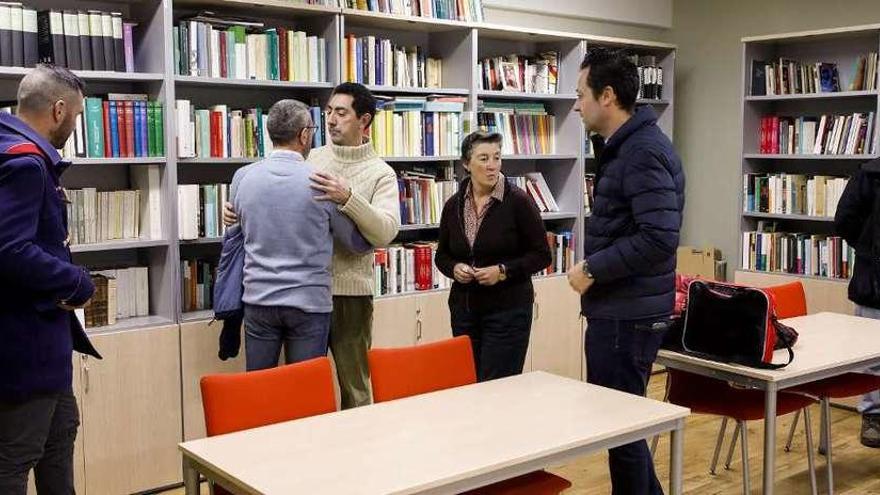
(736, 324)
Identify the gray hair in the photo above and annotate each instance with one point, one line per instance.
(287, 119)
(46, 84)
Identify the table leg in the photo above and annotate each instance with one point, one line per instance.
(769, 437)
(190, 478)
(676, 458)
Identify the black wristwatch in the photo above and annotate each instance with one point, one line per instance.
(586, 269)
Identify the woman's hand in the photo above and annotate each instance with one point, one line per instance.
(464, 274)
(488, 275)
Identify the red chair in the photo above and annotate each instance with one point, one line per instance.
(240, 401)
(404, 372)
(705, 395)
(836, 387)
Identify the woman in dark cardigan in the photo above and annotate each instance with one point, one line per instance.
(492, 240)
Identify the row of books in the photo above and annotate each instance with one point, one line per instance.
(536, 187)
(120, 126)
(792, 194)
(650, 77)
(422, 197)
(791, 77)
(530, 74)
(398, 269)
(119, 294)
(823, 135)
(526, 127)
(456, 10)
(865, 73)
(376, 61)
(797, 253)
(562, 251)
(78, 40)
(197, 278)
(416, 127)
(200, 210)
(222, 132)
(227, 48)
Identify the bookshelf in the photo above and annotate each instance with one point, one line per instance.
(168, 350)
(842, 47)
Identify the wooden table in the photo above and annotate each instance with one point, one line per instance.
(829, 344)
(442, 442)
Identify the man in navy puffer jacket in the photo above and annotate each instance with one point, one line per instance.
(627, 281)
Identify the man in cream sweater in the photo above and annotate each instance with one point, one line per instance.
(364, 188)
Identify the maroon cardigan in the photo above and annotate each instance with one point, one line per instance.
(511, 233)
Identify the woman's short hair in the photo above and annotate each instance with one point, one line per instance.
(473, 139)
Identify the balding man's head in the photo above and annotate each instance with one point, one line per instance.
(49, 99)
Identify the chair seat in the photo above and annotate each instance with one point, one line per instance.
(703, 395)
(839, 387)
(534, 483)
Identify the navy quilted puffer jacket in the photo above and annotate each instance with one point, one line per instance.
(633, 233)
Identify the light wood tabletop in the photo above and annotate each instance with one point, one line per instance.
(442, 442)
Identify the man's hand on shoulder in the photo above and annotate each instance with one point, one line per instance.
(334, 188)
(229, 216)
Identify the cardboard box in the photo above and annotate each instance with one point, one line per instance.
(705, 263)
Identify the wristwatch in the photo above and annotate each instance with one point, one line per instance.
(586, 269)
(502, 275)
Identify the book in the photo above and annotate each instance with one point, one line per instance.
(377, 61)
(85, 40)
(30, 36)
(797, 253)
(198, 276)
(111, 128)
(402, 268)
(70, 23)
(16, 16)
(522, 73)
(526, 127)
(6, 32)
(50, 28)
(118, 45)
(200, 210)
(96, 34)
(107, 41)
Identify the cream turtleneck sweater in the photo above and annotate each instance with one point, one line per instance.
(374, 206)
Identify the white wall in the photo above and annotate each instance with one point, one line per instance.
(654, 13)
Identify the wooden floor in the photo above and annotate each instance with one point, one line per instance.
(856, 468)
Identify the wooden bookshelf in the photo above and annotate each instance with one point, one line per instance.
(841, 46)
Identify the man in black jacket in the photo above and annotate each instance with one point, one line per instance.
(858, 221)
(627, 280)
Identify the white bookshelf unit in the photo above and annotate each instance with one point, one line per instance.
(843, 47)
(143, 397)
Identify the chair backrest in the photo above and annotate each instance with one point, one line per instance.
(239, 401)
(402, 372)
(790, 299)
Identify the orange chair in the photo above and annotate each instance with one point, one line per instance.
(240, 401)
(404, 372)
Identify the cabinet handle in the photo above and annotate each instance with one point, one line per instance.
(537, 312)
(85, 374)
(419, 325)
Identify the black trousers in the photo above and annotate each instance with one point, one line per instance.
(38, 434)
(499, 338)
(620, 354)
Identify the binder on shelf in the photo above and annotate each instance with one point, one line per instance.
(17, 28)
(70, 21)
(107, 40)
(30, 34)
(6, 33)
(85, 40)
(96, 32)
(118, 44)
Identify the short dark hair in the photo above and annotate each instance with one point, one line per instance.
(287, 119)
(612, 67)
(45, 84)
(473, 139)
(363, 100)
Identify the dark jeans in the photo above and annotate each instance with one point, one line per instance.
(38, 434)
(620, 354)
(500, 338)
(266, 327)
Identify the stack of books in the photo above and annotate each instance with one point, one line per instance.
(650, 77)
(455, 10)
(792, 194)
(221, 132)
(535, 185)
(233, 48)
(376, 61)
(422, 197)
(197, 278)
(414, 127)
(822, 135)
(119, 294)
(589, 185)
(406, 268)
(200, 210)
(529, 74)
(797, 253)
(120, 126)
(526, 127)
(78, 40)
(562, 250)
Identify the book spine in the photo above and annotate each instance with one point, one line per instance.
(108, 136)
(30, 37)
(94, 128)
(17, 29)
(107, 41)
(85, 40)
(5, 35)
(114, 128)
(70, 25)
(118, 42)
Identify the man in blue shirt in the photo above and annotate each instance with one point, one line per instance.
(39, 288)
(627, 278)
(288, 245)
